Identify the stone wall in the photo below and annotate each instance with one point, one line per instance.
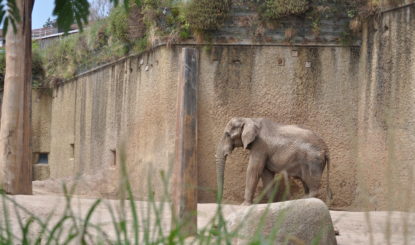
(359, 99)
(324, 23)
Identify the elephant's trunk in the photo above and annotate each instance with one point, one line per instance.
(220, 175)
(224, 148)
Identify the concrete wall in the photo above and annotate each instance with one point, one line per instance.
(41, 121)
(359, 99)
(248, 82)
(386, 112)
(128, 106)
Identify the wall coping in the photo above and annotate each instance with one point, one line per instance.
(191, 44)
(397, 8)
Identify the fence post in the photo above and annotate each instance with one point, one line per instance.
(184, 191)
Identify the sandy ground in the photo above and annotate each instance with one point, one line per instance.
(354, 227)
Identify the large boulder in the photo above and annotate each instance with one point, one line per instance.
(304, 221)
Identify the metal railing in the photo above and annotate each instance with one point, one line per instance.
(37, 33)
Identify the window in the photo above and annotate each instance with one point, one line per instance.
(43, 158)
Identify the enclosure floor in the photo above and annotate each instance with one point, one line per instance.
(353, 226)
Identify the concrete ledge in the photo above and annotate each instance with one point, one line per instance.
(304, 221)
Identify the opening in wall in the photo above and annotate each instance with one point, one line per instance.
(72, 151)
(43, 158)
(114, 157)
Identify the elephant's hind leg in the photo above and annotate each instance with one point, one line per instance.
(267, 178)
(276, 186)
(306, 189)
(311, 186)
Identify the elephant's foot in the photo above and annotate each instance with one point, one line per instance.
(313, 194)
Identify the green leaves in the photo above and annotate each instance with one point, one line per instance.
(69, 12)
(9, 14)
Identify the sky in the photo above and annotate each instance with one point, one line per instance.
(41, 12)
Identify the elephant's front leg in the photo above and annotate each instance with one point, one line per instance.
(255, 167)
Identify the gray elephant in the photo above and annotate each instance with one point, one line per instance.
(274, 148)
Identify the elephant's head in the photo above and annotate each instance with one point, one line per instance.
(238, 132)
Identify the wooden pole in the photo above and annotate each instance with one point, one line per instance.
(184, 192)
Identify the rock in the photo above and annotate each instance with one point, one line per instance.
(304, 221)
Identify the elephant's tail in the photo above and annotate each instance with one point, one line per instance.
(329, 193)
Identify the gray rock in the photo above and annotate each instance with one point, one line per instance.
(304, 221)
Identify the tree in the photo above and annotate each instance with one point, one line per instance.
(15, 125)
(99, 9)
(49, 23)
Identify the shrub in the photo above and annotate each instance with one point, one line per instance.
(118, 24)
(140, 45)
(38, 72)
(206, 15)
(279, 8)
(101, 42)
(62, 59)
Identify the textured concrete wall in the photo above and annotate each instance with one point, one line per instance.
(124, 103)
(126, 107)
(41, 120)
(358, 99)
(248, 82)
(386, 112)
(61, 159)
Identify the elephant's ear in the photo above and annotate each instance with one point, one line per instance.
(249, 132)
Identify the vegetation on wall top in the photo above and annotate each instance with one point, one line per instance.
(206, 15)
(108, 39)
(275, 9)
(103, 41)
(38, 71)
(169, 21)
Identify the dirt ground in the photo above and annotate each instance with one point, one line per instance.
(354, 227)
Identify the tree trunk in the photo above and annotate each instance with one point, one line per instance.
(15, 127)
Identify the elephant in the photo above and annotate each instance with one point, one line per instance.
(274, 148)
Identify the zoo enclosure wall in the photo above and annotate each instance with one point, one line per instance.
(358, 98)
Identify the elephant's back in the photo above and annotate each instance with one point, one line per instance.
(303, 136)
(291, 135)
